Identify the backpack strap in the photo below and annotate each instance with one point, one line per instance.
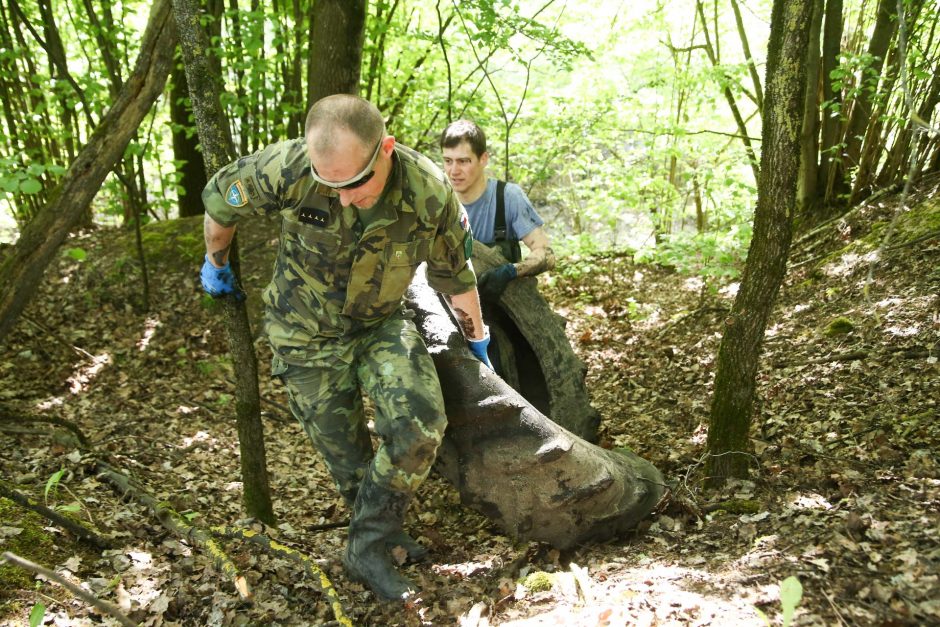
(509, 248)
(499, 224)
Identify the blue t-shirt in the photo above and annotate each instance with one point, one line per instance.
(521, 217)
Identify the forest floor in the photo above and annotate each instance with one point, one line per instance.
(845, 482)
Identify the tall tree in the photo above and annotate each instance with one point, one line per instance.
(218, 150)
(337, 29)
(764, 270)
(191, 168)
(22, 270)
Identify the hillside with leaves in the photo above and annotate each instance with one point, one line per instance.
(845, 486)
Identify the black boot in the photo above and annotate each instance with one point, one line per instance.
(377, 515)
(416, 551)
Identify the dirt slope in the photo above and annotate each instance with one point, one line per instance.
(844, 494)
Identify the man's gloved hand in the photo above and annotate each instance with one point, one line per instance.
(219, 282)
(478, 348)
(493, 282)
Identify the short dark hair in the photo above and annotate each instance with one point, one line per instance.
(464, 131)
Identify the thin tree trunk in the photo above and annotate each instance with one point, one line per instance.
(729, 96)
(885, 27)
(751, 66)
(740, 347)
(829, 135)
(809, 141)
(218, 151)
(22, 270)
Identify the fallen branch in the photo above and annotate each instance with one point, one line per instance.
(917, 240)
(330, 525)
(910, 352)
(692, 314)
(86, 596)
(280, 550)
(9, 414)
(81, 352)
(176, 523)
(79, 530)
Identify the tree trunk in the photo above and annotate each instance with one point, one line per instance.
(336, 48)
(765, 268)
(809, 141)
(829, 135)
(531, 477)
(550, 376)
(192, 172)
(218, 151)
(862, 106)
(40, 239)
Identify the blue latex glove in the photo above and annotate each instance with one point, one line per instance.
(478, 348)
(493, 282)
(219, 282)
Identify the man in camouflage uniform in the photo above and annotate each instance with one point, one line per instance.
(351, 240)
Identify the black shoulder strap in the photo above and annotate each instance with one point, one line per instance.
(499, 224)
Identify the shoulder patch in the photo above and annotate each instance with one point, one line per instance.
(467, 246)
(235, 196)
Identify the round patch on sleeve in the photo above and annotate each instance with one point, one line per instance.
(235, 196)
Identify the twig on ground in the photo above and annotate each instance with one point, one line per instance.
(327, 526)
(9, 414)
(86, 596)
(692, 314)
(176, 523)
(81, 351)
(75, 527)
(910, 352)
(312, 569)
(835, 608)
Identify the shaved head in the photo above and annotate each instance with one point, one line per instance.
(338, 114)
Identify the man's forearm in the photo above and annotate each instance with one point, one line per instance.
(218, 240)
(537, 261)
(466, 308)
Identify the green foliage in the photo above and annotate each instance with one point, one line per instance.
(539, 581)
(78, 254)
(791, 593)
(36, 615)
(32, 543)
(52, 484)
(840, 326)
(712, 255)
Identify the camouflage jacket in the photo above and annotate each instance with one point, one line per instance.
(340, 270)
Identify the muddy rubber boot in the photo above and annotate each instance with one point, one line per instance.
(378, 514)
(416, 551)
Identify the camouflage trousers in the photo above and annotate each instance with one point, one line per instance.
(392, 366)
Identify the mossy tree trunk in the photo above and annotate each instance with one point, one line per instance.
(22, 270)
(218, 150)
(738, 355)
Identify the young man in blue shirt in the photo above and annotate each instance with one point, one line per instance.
(463, 145)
